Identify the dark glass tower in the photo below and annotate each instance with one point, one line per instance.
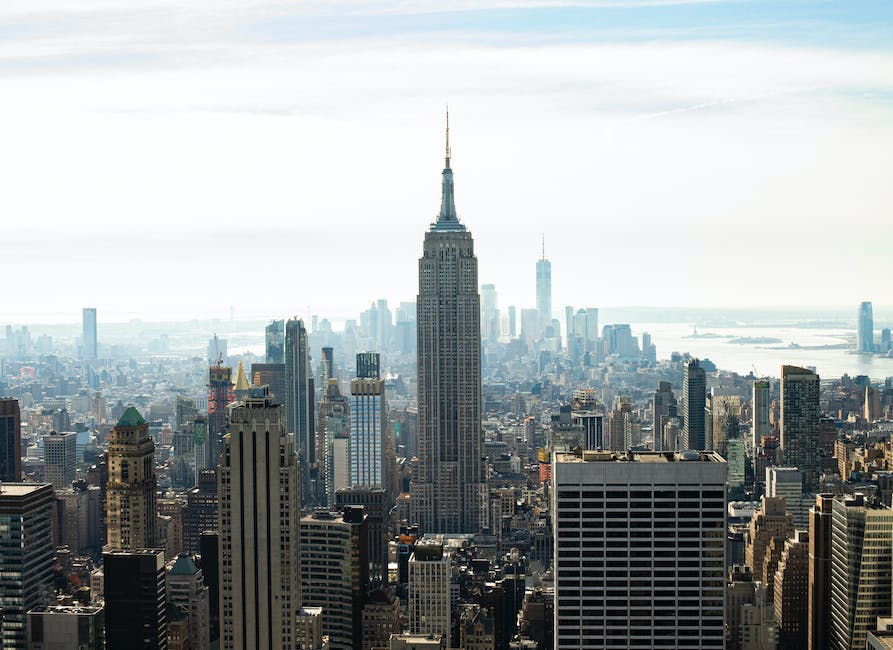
(298, 396)
(450, 495)
(10, 441)
(694, 401)
(275, 339)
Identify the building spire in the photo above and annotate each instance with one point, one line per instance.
(447, 219)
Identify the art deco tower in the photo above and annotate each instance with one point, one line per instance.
(450, 495)
(130, 505)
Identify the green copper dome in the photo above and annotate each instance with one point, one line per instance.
(131, 418)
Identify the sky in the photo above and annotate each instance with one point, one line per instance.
(165, 160)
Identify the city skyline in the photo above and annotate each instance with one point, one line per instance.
(688, 120)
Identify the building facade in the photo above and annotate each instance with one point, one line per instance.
(800, 423)
(135, 604)
(60, 458)
(694, 402)
(130, 492)
(10, 441)
(639, 549)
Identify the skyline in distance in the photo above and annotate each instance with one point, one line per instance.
(656, 143)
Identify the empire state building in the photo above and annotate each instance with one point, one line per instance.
(451, 493)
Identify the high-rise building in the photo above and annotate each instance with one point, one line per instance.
(26, 557)
(450, 495)
(368, 365)
(865, 330)
(489, 313)
(368, 434)
(298, 397)
(60, 458)
(88, 336)
(513, 327)
(725, 408)
(618, 584)
(220, 394)
(429, 589)
(663, 407)
(272, 375)
(787, 482)
(544, 290)
(819, 572)
(200, 513)
(760, 406)
(135, 599)
(335, 571)
(800, 423)
(791, 585)
(10, 441)
(333, 423)
(130, 493)
(694, 401)
(187, 592)
(274, 335)
(861, 537)
(768, 523)
(216, 351)
(259, 490)
(327, 365)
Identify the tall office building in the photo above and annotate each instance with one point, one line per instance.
(272, 375)
(220, 393)
(768, 523)
(368, 365)
(327, 365)
(429, 589)
(335, 571)
(274, 335)
(513, 325)
(791, 586)
(259, 490)
(187, 592)
(544, 290)
(861, 538)
(639, 549)
(368, 433)
(10, 441)
(450, 495)
(26, 557)
(865, 330)
(694, 401)
(760, 407)
(298, 397)
(663, 407)
(60, 627)
(787, 482)
(489, 313)
(819, 595)
(91, 347)
(60, 458)
(130, 492)
(135, 605)
(800, 423)
(725, 409)
(333, 423)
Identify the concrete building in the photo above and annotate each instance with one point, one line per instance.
(861, 539)
(760, 426)
(787, 482)
(60, 461)
(770, 522)
(800, 416)
(66, 627)
(259, 488)
(130, 492)
(450, 493)
(187, 592)
(819, 572)
(415, 642)
(381, 619)
(615, 583)
(26, 557)
(694, 402)
(429, 590)
(791, 584)
(135, 603)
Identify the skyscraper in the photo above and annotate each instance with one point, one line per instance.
(663, 407)
(10, 441)
(861, 536)
(800, 423)
(130, 493)
(134, 599)
(694, 400)
(274, 334)
(819, 572)
(489, 313)
(220, 393)
(429, 589)
(760, 406)
(26, 557)
(368, 433)
(791, 589)
(259, 489)
(450, 495)
(60, 458)
(89, 333)
(186, 590)
(617, 583)
(298, 396)
(865, 330)
(544, 289)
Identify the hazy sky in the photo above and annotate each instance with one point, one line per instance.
(172, 159)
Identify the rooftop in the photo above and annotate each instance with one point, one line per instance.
(638, 457)
(131, 418)
(21, 489)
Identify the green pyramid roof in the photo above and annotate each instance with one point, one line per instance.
(184, 566)
(131, 418)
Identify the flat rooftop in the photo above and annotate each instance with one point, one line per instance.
(20, 489)
(661, 457)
